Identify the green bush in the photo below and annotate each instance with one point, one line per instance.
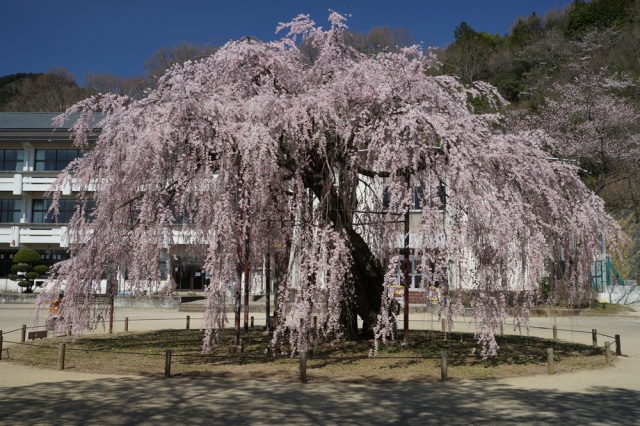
(27, 268)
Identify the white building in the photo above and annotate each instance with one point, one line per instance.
(32, 153)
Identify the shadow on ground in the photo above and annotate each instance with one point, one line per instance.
(131, 400)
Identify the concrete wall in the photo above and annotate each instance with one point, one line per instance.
(119, 302)
(628, 294)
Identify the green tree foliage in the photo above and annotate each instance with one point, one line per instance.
(599, 14)
(540, 51)
(525, 31)
(26, 268)
(468, 56)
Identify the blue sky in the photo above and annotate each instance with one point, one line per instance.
(117, 36)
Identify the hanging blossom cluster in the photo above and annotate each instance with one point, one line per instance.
(260, 150)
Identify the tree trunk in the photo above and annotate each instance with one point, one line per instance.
(368, 278)
(367, 272)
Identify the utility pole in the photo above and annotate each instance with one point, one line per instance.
(267, 267)
(246, 286)
(406, 266)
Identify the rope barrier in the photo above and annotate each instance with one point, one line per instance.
(269, 357)
(241, 357)
(28, 344)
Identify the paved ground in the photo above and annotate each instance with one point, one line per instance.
(609, 396)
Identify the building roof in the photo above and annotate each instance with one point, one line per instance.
(35, 120)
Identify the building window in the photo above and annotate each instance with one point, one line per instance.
(55, 159)
(66, 209)
(50, 257)
(417, 195)
(11, 159)
(10, 211)
(415, 274)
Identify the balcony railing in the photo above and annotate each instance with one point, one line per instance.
(33, 233)
(19, 182)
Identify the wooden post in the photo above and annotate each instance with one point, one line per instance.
(1, 344)
(167, 363)
(594, 337)
(444, 326)
(607, 352)
(251, 321)
(444, 374)
(126, 324)
(61, 351)
(24, 333)
(303, 367)
(555, 333)
(618, 348)
(550, 363)
(188, 322)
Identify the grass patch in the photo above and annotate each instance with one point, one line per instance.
(602, 308)
(596, 309)
(143, 353)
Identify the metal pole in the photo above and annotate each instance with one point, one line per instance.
(111, 304)
(188, 322)
(267, 272)
(126, 324)
(246, 298)
(246, 287)
(406, 266)
(236, 339)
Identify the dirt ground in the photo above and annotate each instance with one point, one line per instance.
(606, 396)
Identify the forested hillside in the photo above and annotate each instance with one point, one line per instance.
(54, 91)
(574, 73)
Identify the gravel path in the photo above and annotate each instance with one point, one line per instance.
(608, 396)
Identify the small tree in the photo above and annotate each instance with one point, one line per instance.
(26, 268)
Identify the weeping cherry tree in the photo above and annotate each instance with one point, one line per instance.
(259, 151)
